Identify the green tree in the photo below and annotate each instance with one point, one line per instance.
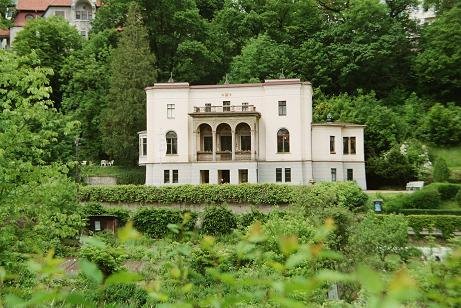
(440, 173)
(131, 70)
(261, 58)
(438, 65)
(441, 125)
(52, 39)
(4, 5)
(85, 95)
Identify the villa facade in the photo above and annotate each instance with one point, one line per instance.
(238, 133)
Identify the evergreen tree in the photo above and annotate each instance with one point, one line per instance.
(441, 173)
(131, 70)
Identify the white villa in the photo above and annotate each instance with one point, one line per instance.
(237, 133)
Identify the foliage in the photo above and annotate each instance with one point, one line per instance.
(441, 125)
(247, 219)
(96, 208)
(125, 114)
(155, 222)
(438, 65)
(218, 220)
(458, 197)
(108, 259)
(52, 40)
(447, 224)
(124, 294)
(447, 191)
(422, 199)
(429, 211)
(441, 173)
(269, 194)
(379, 235)
(85, 92)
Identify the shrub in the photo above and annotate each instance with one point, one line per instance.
(218, 220)
(343, 194)
(422, 199)
(108, 259)
(246, 219)
(458, 197)
(430, 212)
(441, 173)
(154, 222)
(447, 224)
(448, 191)
(126, 294)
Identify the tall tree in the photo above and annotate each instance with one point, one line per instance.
(131, 70)
(52, 39)
(438, 65)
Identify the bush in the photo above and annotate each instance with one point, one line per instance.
(193, 194)
(154, 222)
(246, 219)
(430, 212)
(108, 259)
(126, 294)
(447, 224)
(448, 191)
(343, 194)
(440, 173)
(458, 197)
(218, 220)
(422, 199)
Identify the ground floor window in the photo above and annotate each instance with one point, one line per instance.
(175, 176)
(204, 176)
(166, 176)
(350, 174)
(287, 175)
(333, 174)
(224, 176)
(278, 174)
(243, 175)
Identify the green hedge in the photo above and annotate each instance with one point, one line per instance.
(193, 194)
(218, 220)
(447, 191)
(342, 194)
(154, 222)
(422, 199)
(447, 224)
(456, 212)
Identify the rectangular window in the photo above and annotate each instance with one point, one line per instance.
(287, 175)
(244, 106)
(226, 143)
(204, 176)
(333, 174)
(243, 175)
(144, 146)
(245, 143)
(97, 225)
(226, 105)
(352, 147)
(83, 33)
(170, 111)
(278, 174)
(207, 107)
(332, 145)
(282, 108)
(166, 176)
(350, 174)
(59, 13)
(175, 176)
(345, 145)
(207, 143)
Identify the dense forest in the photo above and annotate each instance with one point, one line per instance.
(369, 62)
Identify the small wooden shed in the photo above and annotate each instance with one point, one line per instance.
(98, 223)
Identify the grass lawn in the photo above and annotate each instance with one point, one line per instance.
(124, 175)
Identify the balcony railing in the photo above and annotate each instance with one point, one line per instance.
(233, 108)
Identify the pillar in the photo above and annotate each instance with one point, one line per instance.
(194, 145)
(233, 144)
(213, 132)
(253, 145)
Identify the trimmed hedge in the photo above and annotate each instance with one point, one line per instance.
(447, 191)
(422, 199)
(456, 212)
(218, 220)
(447, 224)
(154, 222)
(344, 194)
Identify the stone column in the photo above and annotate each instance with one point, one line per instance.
(253, 145)
(214, 144)
(194, 145)
(233, 144)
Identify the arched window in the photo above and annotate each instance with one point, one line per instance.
(283, 141)
(171, 143)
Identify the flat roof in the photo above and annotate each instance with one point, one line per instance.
(340, 124)
(267, 82)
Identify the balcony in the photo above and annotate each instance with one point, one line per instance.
(234, 110)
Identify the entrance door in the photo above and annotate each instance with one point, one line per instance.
(223, 176)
